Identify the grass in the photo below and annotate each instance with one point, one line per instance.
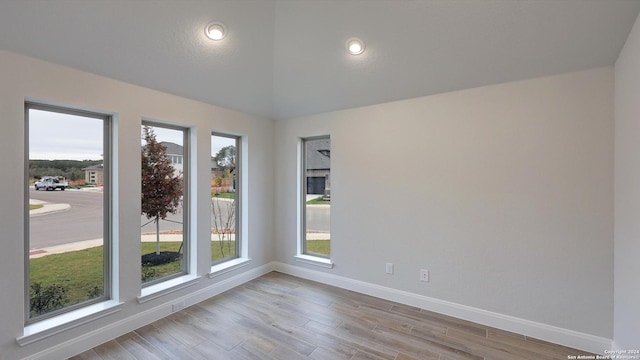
(318, 201)
(320, 247)
(164, 269)
(34, 206)
(81, 271)
(224, 195)
(217, 248)
(174, 267)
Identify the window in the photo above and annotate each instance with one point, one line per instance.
(225, 198)
(163, 223)
(68, 238)
(175, 159)
(316, 196)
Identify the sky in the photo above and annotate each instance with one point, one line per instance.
(218, 142)
(56, 136)
(164, 134)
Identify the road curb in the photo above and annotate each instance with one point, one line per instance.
(47, 208)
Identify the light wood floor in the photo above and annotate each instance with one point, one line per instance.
(282, 317)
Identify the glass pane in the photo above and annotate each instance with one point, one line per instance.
(317, 182)
(162, 221)
(224, 196)
(66, 210)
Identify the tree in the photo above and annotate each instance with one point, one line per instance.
(70, 169)
(223, 217)
(226, 158)
(161, 189)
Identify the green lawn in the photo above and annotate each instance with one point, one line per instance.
(164, 269)
(224, 195)
(318, 201)
(81, 271)
(320, 247)
(78, 271)
(222, 250)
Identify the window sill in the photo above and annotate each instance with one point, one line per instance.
(55, 325)
(166, 287)
(228, 266)
(314, 260)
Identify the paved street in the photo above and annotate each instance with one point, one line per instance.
(83, 220)
(318, 218)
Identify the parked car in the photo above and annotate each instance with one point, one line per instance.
(51, 183)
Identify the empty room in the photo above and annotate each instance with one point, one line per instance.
(320, 179)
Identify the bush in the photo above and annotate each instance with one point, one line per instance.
(95, 292)
(43, 299)
(148, 273)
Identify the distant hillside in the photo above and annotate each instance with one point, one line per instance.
(71, 169)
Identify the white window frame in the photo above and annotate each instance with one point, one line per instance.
(301, 254)
(187, 276)
(242, 248)
(49, 324)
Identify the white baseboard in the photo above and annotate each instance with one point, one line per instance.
(554, 334)
(94, 338)
(529, 328)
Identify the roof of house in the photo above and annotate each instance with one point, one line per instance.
(94, 167)
(172, 148)
(318, 153)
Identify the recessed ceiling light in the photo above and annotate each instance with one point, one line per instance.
(215, 31)
(355, 46)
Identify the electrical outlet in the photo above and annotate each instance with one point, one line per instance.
(177, 306)
(390, 268)
(424, 275)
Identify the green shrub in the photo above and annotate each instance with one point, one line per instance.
(43, 299)
(95, 292)
(149, 273)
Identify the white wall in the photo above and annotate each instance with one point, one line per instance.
(627, 194)
(22, 77)
(505, 193)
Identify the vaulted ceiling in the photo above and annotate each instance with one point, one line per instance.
(287, 58)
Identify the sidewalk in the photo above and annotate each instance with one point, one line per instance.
(46, 207)
(86, 244)
(59, 249)
(145, 237)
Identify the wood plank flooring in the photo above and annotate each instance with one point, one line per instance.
(282, 317)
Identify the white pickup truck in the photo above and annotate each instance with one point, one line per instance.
(51, 183)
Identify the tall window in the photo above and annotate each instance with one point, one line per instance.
(225, 196)
(164, 193)
(316, 189)
(68, 240)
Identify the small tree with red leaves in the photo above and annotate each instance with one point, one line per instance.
(161, 188)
